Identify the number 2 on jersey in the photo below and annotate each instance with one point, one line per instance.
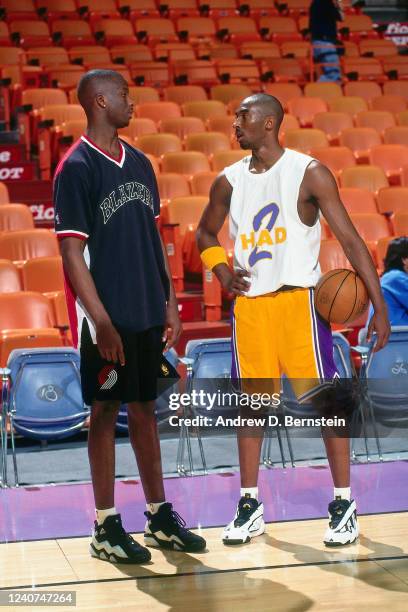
(273, 211)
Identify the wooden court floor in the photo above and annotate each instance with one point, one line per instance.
(286, 569)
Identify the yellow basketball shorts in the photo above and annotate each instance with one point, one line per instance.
(281, 333)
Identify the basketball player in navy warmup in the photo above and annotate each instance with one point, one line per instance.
(274, 198)
(121, 303)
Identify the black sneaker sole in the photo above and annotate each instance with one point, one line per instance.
(236, 542)
(144, 557)
(153, 542)
(340, 544)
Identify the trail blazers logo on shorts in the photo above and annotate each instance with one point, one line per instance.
(107, 378)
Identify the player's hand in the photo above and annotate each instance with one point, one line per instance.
(109, 343)
(173, 326)
(236, 282)
(381, 326)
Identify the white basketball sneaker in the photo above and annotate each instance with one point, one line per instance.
(247, 524)
(343, 525)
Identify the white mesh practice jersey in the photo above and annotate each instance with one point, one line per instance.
(271, 241)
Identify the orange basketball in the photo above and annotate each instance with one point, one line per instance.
(341, 296)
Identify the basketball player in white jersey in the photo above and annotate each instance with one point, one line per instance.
(274, 198)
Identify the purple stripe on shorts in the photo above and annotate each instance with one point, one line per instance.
(323, 343)
(326, 348)
(234, 364)
(315, 334)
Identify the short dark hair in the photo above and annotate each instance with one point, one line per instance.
(396, 252)
(269, 105)
(89, 82)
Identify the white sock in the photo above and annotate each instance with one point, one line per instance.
(102, 514)
(154, 506)
(343, 493)
(251, 491)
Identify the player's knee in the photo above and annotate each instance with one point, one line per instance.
(105, 411)
(141, 412)
(339, 400)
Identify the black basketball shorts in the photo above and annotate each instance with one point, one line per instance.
(136, 381)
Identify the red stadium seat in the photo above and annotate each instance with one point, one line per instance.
(30, 33)
(238, 29)
(325, 91)
(399, 88)
(197, 28)
(182, 126)
(284, 92)
(158, 110)
(57, 9)
(238, 70)
(280, 29)
(391, 199)
(360, 141)
(43, 274)
(131, 53)
(335, 158)
(15, 217)
(143, 95)
(332, 124)
(348, 104)
(391, 102)
(186, 162)
(400, 223)
(71, 32)
(185, 93)
(358, 200)
(362, 89)
(201, 183)
(372, 178)
(197, 72)
(114, 32)
(371, 227)
(204, 110)
(228, 92)
(9, 277)
(305, 109)
(208, 142)
(396, 135)
(259, 50)
(391, 158)
(159, 144)
(153, 30)
(306, 139)
(27, 244)
(332, 256)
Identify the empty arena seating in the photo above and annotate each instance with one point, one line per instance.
(188, 67)
(372, 178)
(15, 217)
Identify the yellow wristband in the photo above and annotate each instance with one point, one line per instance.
(213, 256)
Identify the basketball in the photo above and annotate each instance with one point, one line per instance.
(341, 296)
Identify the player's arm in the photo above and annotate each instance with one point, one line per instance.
(321, 188)
(173, 324)
(108, 340)
(172, 319)
(211, 222)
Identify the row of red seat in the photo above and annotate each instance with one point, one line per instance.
(130, 53)
(149, 30)
(45, 274)
(51, 9)
(69, 9)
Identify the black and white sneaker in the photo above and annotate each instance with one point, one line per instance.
(110, 542)
(247, 524)
(343, 525)
(166, 529)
